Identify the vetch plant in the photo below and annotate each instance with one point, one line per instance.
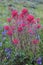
(39, 61)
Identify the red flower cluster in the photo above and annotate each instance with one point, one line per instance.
(22, 22)
(20, 29)
(30, 17)
(15, 41)
(24, 11)
(10, 33)
(31, 32)
(35, 41)
(38, 26)
(14, 13)
(6, 27)
(9, 19)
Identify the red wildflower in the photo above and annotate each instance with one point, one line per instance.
(38, 19)
(24, 11)
(21, 15)
(12, 27)
(35, 41)
(23, 25)
(38, 26)
(30, 31)
(20, 29)
(15, 41)
(33, 21)
(30, 17)
(9, 19)
(9, 32)
(6, 27)
(14, 13)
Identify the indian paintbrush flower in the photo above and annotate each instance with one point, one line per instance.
(6, 27)
(15, 41)
(9, 19)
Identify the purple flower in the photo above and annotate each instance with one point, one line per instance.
(0, 44)
(8, 53)
(4, 33)
(8, 50)
(39, 61)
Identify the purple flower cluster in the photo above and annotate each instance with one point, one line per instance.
(39, 61)
(8, 53)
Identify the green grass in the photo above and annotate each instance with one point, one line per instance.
(39, 12)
